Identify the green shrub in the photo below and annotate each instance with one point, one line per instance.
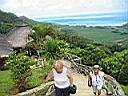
(90, 55)
(116, 65)
(48, 65)
(123, 75)
(20, 69)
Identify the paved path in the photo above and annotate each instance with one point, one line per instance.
(81, 82)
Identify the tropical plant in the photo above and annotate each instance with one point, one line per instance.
(40, 34)
(51, 49)
(55, 49)
(20, 69)
(45, 30)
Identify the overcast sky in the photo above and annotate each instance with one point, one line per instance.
(50, 8)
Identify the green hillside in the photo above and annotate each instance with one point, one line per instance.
(9, 20)
(105, 35)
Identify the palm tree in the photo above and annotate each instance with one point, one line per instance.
(40, 35)
(51, 49)
(55, 49)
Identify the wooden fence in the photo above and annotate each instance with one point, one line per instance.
(42, 90)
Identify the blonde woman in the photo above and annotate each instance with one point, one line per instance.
(62, 77)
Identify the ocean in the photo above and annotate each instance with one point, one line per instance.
(104, 19)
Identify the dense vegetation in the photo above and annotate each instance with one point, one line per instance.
(117, 65)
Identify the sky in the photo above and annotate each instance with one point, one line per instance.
(52, 8)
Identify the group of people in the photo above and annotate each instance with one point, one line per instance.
(63, 79)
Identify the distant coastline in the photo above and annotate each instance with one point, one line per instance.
(106, 19)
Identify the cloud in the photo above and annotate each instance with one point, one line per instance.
(44, 8)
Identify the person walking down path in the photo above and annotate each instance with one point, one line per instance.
(62, 77)
(96, 80)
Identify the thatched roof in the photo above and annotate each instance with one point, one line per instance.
(5, 47)
(14, 39)
(18, 36)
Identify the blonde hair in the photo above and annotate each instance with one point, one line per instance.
(58, 62)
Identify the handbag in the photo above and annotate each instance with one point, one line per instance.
(72, 89)
(89, 83)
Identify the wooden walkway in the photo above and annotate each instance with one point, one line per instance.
(81, 82)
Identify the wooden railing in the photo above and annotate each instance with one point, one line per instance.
(42, 90)
(114, 88)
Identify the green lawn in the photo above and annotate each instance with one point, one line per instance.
(6, 82)
(125, 88)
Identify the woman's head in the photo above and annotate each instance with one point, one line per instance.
(96, 69)
(58, 66)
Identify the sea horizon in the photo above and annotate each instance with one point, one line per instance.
(102, 19)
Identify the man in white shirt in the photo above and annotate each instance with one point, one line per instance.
(62, 77)
(96, 80)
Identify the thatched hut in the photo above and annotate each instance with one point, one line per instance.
(5, 47)
(18, 37)
(5, 50)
